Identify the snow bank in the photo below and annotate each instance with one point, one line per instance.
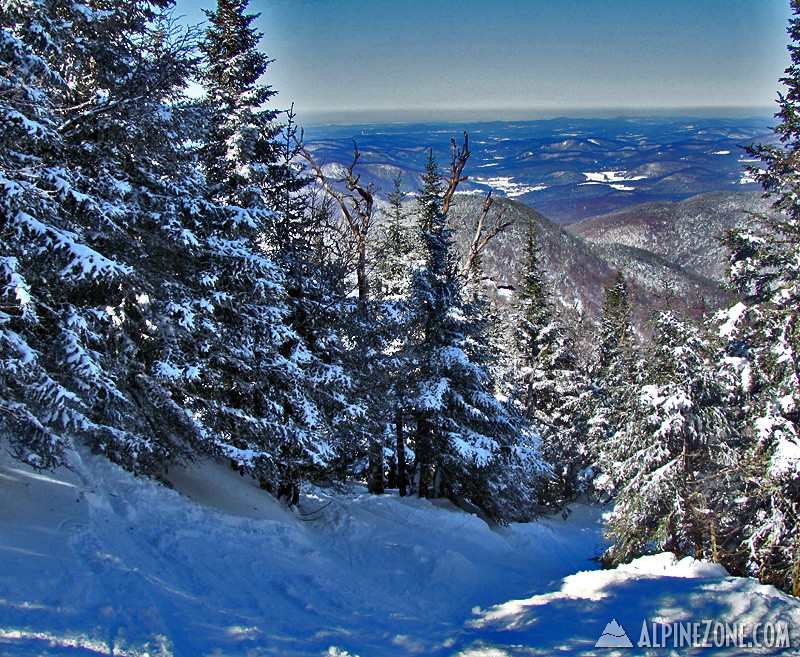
(656, 589)
(95, 561)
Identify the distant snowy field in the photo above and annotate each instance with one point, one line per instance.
(96, 562)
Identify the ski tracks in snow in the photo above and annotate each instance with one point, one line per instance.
(94, 561)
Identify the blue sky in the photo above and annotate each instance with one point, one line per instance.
(508, 58)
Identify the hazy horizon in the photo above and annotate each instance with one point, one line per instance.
(512, 59)
(404, 116)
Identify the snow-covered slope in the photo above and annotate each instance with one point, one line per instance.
(686, 233)
(579, 266)
(94, 561)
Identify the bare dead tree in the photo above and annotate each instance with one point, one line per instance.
(457, 164)
(481, 239)
(329, 252)
(357, 206)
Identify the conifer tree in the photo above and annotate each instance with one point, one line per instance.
(541, 342)
(764, 328)
(612, 370)
(395, 262)
(395, 252)
(467, 443)
(141, 312)
(241, 144)
(548, 383)
(90, 321)
(674, 459)
(266, 391)
(616, 332)
(38, 410)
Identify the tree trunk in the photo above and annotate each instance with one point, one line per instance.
(361, 271)
(289, 490)
(423, 449)
(437, 482)
(715, 556)
(401, 454)
(375, 482)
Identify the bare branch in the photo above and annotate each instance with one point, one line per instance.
(350, 179)
(457, 164)
(358, 212)
(326, 185)
(479, 240)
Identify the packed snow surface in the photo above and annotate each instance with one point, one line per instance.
(94, 561)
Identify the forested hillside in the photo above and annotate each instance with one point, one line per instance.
(664, 249)
(689, 233)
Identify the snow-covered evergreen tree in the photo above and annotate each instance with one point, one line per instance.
(264, 391)
(611, 373)
(467, 443)
(616, 331)
(97, 196)
(548, 382)
(38, 409)
(765, 328)
(395, 254)
(241, 145)
(142, 311)
(395, 261)
(674, 459)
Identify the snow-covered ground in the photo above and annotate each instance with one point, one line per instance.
(94, 561)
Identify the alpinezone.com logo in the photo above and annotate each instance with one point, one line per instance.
(698, 634)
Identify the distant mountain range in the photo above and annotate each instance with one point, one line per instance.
(568, 169)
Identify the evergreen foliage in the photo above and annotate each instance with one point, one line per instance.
(764, 329)
(616, 333)
(675, 457)
(468, 444)
(612, 371)
(265, 391)
(240, 146)
(171, 287)
(396, 260)
(549, 384)
(96, 196)
(395, 255)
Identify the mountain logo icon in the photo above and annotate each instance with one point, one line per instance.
(614, 636)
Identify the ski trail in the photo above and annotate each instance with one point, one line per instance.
(95, 561)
